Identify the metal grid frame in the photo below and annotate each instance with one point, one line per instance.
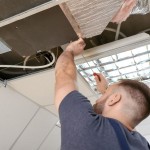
(131, 64)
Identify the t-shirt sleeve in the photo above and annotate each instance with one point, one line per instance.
(76, 111)
(77, 118)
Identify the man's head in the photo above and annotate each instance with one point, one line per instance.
(129, 99)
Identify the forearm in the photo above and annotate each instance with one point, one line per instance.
(65, 71)
(65, 66)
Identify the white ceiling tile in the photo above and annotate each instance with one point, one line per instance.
(52, 109)
(53, 141)
(92, 99)
(15, 113)
(147, 138)
(146, 121)
(38, 87)
(36, 131)
(143, 129)
(42, 86)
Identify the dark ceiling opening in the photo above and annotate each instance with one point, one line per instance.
(34, 36)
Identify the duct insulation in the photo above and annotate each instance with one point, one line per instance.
(92, 16)
(142, 7)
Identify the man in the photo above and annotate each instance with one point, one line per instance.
(109, 124)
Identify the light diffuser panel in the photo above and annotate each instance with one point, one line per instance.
(132, 64)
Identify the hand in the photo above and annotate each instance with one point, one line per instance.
(76, 47)
(102, 83)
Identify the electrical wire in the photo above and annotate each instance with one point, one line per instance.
(47, 59)
(21, 63)
(147, 30)
(118, 32)
(114, 30)
(25, 61)
(27, 58)
(30, 67)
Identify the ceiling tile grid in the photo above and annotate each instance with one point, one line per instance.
(40, 87)
(52, 109)
(39, 131)
(16, 112)
(37, 87)
(24, 124)
(132, 64)
(36, 132)
(53, 140)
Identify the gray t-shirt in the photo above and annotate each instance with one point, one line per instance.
(83, 129)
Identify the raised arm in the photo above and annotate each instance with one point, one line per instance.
(65, 71)
(102, 83)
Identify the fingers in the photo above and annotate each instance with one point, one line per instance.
(80, 35)
(81, 42)
(99, 75)
(97, 78)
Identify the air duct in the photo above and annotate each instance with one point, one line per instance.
(91, 17)
(142, 7)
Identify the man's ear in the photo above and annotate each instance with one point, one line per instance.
(114, 98)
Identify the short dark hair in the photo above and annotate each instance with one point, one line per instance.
(139, 92)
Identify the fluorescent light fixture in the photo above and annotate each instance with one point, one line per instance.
(129, 61)
(3, 47)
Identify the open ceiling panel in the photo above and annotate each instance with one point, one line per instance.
(9, 8)
(42, 31)
(31, 26)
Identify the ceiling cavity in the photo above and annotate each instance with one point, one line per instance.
(27, 40)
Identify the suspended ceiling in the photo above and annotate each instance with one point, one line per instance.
(38, 32)
(31, 126)
(41, 92)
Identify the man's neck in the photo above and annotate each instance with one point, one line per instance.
(123, 121)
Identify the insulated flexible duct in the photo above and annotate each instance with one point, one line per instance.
(92, 16)
(142, 7)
